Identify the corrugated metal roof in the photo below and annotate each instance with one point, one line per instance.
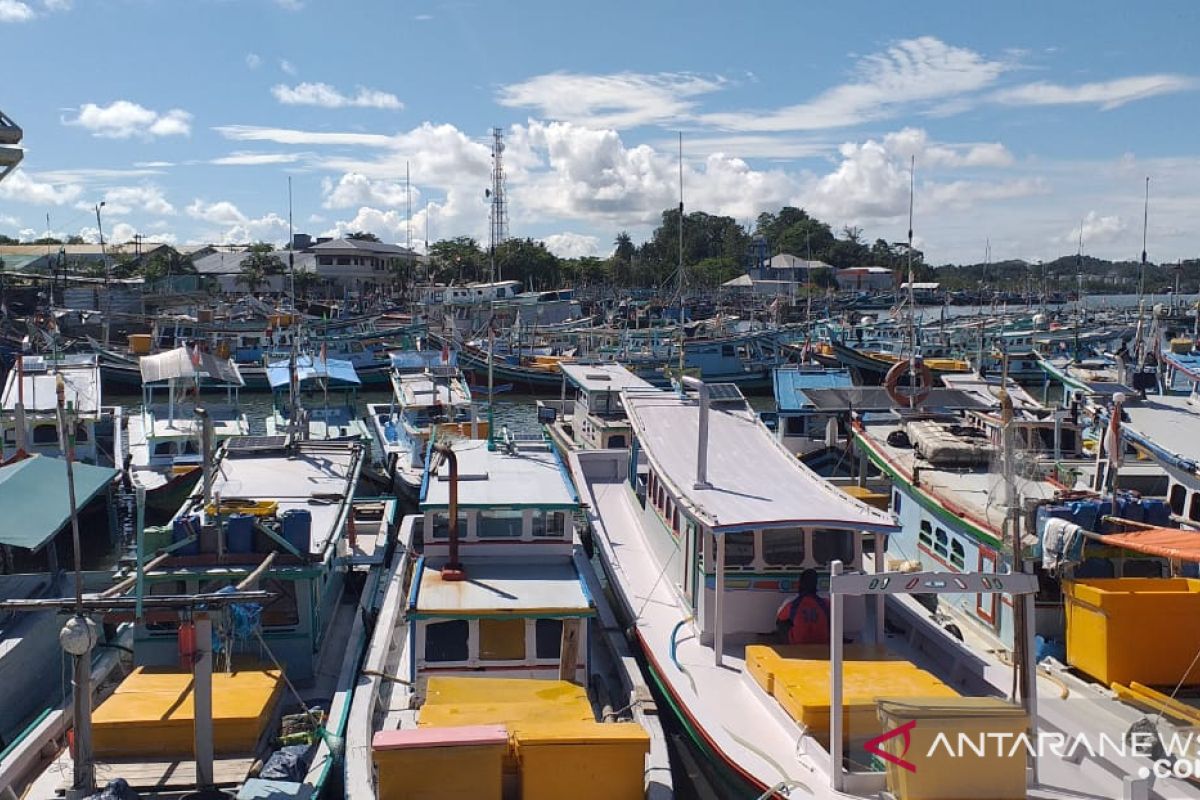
(308, 368)
(792, 383)
(33, 494)
(182, 363)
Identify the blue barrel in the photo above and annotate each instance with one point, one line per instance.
(179, 532)
(297, 528)
(239, 533)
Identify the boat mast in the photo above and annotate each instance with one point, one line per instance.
(912, 307)
(1145, 226)
(681, 359)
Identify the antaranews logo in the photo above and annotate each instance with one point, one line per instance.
(904, 731)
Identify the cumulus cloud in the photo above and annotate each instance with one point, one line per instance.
(21, 187)
(15, 11)
(326, 96)
(355, 189)
(231, 225)
(253, 60)
(1096, 230)
(572, 245)
(1106, 94)
(123, 119)
(910, 142)
(287, 66)
(909, 73)
(622, 100)
(125, 199)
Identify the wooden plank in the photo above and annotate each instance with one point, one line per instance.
(160, 775)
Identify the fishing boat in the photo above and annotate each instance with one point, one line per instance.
(871, 367)
(316, 398)
(248, 620)
(429, 393)
(497, 668)
(594, 418)
(799, 425)
(28, 421)
(703, 527)
(163, 440)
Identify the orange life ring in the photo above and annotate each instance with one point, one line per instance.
(914, 395)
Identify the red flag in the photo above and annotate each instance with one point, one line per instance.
(196, 355)
(1113, 439)
(445, 353)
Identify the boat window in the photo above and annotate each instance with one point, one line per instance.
(617, 440)
(164, 448)
(784, 548)
(1194, 508)
(502, 639)
(833, 545)
(501, 525)
(1177, 498)
(739, 549)
(958, 557)
(675, 519)
(447, 641)
(190, 448)
(441, 525)
(281, 611)
(727, 350)
(547, 634)
(1142, 568)
(10, 436)
(45, 434)
(896, 503)
(926, 535)
(794, 426)
(552, 524)
(939, 542)
(81, 433)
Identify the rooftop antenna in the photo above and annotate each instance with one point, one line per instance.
(291, 244)
(499, 211)
(1145, 226)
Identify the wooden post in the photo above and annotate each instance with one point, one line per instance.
(202, 687)
(568, 654)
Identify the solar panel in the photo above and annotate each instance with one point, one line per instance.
(254, 444)
(725, 393)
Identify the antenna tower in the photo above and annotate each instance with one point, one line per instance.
(499, 212)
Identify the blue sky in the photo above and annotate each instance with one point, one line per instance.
(1027, 120)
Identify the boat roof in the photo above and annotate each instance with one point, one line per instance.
(753, 481)
(876, 398)
(309, 368)
(986, 389)
(792, 384)
(81, 377)
(419, 360)
(537, 588)
(422, 389)
(183, 362)
(1187, 363)
(33, 494)
(1162, 422)
(530, 476)
(602, 377)
(1172, 543)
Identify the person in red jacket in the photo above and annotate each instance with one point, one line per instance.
(805, 618)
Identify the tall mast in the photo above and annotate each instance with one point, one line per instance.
(407, 208)
(291, 244)
(499, 209)
(1145, 226)
(681, 354)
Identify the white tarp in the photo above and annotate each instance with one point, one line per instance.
(183, 362)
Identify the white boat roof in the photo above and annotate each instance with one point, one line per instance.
(184, 363)
(420, 390)
(531, 476)
(226, 421)
(81, 377)
(535, 589)
(1172, 422)
(602, 377)
(754, 482)
(987, 389)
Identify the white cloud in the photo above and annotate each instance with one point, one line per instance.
(1097, 230)
(253, 133)
(15, 11)
(287, 66)
(57, 5)
(623, 100)
(389, 225)
(244, 159)
(355, 189)
(22, 187)
(253, 60)
(123, 119)
(125, 199)
(290, 5)
(231, 225)
(1106, 94)
(326, 96)
(423, 17)
(915, 142)
(909, 73)
(572, 245)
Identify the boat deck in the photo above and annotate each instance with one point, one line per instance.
(1171, 422)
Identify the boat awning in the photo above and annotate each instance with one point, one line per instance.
(532, 590)
(308, 368)
(417, 360)
(183, 363)
(33, 494)
(876, 398)
(1170, 543)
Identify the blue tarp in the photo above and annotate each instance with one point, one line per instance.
(791, 383)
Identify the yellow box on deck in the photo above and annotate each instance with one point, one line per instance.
(139, 343)
(961, 774)
(451, 701)
(874, 499)
(464, 763)
(582, 760)
(152, 713)
(1133, 629)
(255, 508)
(764, 660)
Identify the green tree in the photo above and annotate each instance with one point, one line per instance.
(622, 259)
(457, 260)
(529, 262)
(363, 236)
(304, 281)
(75, 239)
(8, 240)
(156, 266)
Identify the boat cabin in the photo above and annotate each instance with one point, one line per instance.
(32, 383)
(596, 416)
(325, 392)
(515, 542)
(801, 426)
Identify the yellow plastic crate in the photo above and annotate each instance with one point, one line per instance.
(582, 760)
(764, 660)
(464, 763)
(996, 775)
(1121, 630)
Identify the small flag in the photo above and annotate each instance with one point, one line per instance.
(196, 355)
(325, 352)
(445, 353)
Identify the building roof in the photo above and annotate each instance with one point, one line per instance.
(602, 377)
(542, 589)
(222, 263)
(752, 481)
(81, 250)
(788, 261)
(792, 382)
(33, 493)
(81, 379)
(362, 244)
(928, 286)
(531, 476)
(188, 364)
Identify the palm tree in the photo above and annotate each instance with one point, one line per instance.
(252, 275)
